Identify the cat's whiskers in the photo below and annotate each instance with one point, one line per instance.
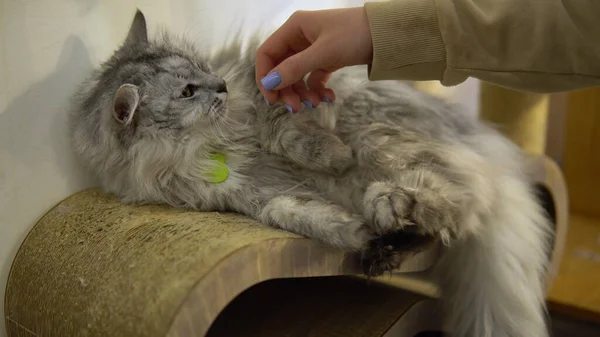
(227, 126)
(222, 137)
(224, 121)
(228, 73)
(227, 119)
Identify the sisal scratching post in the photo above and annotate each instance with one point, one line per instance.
(520, 116)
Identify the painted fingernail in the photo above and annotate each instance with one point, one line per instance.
(325, 99)
(308, 103)
(289, 108)
(271, 81)
(267, 101)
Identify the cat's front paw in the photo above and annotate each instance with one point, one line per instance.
(316, 149)
(351, 231)
(387, 252)
(334, 157)
(341, 158)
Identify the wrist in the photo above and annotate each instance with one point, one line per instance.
(406, 40)
(358, 32)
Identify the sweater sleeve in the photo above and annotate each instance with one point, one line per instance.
(529, 45)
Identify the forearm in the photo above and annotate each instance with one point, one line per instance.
(532, 45)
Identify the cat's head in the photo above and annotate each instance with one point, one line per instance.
(141, 120)
(160, 87)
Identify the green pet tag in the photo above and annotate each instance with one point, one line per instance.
(220, 172)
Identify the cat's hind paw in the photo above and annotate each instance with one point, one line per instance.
(389, 207)
(386, 206)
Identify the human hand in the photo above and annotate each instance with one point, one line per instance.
(315, 42)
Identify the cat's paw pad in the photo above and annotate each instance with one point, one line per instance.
(386, 207)
(387, 252)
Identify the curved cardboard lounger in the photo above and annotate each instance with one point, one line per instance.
(94, 267)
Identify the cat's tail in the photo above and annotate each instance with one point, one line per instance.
(493, 281)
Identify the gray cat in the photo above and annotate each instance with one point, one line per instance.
(385, 170)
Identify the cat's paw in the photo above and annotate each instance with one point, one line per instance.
(389, 207)
(351, 231)
(335, 157)
(318, 220)
(435, 214)
(341, 158)
(316, 149)
(387, 252)
(386, 206)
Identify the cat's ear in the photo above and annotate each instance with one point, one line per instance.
(138, 34)
(125, 103)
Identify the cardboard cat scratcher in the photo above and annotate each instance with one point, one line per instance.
(94, 267)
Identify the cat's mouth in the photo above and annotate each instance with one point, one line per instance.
(217, 107)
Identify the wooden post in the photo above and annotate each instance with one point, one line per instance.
(520, 116)
(582, 151)
(575, 289)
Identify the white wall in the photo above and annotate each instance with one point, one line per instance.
(46, 47)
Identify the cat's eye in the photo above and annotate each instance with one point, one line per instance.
(188, 91)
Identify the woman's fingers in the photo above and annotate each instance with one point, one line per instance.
(308, 98)
(284, 43)
(294, 68)
(309, 93)
(317, 83)
(291, 99)
(315, 43)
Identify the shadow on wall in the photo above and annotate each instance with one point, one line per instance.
(37, 128)
(35, 143)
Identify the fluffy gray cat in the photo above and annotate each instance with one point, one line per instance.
(384, 170)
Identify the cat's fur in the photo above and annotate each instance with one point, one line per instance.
(382, 170)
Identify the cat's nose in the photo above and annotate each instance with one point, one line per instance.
(221, 87)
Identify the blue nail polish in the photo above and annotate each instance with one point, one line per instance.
(325, 99)
(289, 108)
(266, 101)
(271, 81)
(308, 103)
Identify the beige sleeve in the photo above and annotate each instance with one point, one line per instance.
(531, 45)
